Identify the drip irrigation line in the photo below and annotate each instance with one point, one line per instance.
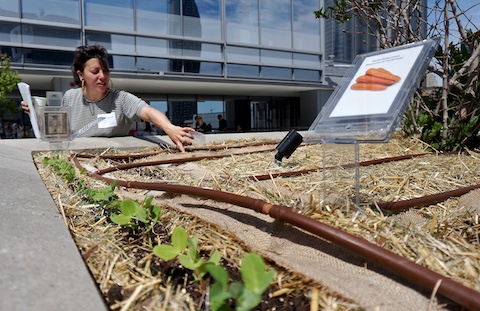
(169, 161)
(149, 154)
(426, 278)
(349, 165)
(428, 199)
(387, 206)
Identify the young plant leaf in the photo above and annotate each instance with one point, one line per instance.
(120, 219)
(254, 276)
(128, 208)
(165, 252)
(179, 239)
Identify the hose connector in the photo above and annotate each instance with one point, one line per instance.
(288, 145)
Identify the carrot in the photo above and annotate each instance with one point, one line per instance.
(374, 79)
(383, 73)
(368, 86)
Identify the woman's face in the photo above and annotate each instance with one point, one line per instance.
(96, 78)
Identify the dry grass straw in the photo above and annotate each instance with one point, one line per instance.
(443, 237)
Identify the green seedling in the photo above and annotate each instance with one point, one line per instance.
(247, 294)
(63, 168)
(185, 249)
(130, 214)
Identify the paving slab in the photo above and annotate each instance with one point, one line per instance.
(41, 268)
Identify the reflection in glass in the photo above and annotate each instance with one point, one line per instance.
(276, 58)
(242, 21)
(118, 15)
(307, 60)
(50, 36)
(239, 54)
(234, 70)
(201, 19)
(276, 73)
(306, 28)
(152, 64)
(113, 43)
(9, 8)
(62, 11)
(10, 32)
(122, 62)
(205, 68)
(47, 57)
(159, 17)
(307, 75)
(151, 46)
(276, 26)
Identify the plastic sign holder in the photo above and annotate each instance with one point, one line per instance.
(371, 100)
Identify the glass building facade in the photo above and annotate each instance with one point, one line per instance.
(258, 62)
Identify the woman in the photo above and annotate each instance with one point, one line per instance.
(98, 110)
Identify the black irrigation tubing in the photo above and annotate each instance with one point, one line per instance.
(426, 278)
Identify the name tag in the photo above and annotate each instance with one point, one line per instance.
(108, 121)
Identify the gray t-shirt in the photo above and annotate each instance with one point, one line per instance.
(119, 108)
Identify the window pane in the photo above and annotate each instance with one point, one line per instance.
(109, 14)
(203, 50)
(206, 68)
(122, 62)
(306, 60)
(306, 30)
(47, 57)
(10, 32)
(242, 21)
(50, 36)
(63, 11)
(112, 42)
(201, 19)
(276, 58)
(247, 55)
(276, 23)
(152, 64)
(9, 8)
(151, 46)
(276, 73)
(307, 75)
(159, 17)
(242, 71)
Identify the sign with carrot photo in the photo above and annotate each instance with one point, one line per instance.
(375, 84)
(375, 79)
(368, 103)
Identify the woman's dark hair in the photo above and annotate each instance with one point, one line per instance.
(83, 54)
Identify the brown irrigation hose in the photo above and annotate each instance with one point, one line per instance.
(403, 267)
(387, 206)
(428, 199)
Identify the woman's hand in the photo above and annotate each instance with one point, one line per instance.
(25, 107)
(179, 135)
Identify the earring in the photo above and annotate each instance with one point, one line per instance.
(83, 86)
(111, 82)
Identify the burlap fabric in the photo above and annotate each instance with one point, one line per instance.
(353, 277)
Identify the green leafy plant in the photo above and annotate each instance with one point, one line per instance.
(186, 249)
(62, 167)
(131, 214)
(248, 294)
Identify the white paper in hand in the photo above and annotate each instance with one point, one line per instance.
(26, 96)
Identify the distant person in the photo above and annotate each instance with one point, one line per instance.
(222, 123)
(201, 126)
(105, 111)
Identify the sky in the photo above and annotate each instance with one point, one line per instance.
(473, 12)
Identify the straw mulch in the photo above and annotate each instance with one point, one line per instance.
(443, 237)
